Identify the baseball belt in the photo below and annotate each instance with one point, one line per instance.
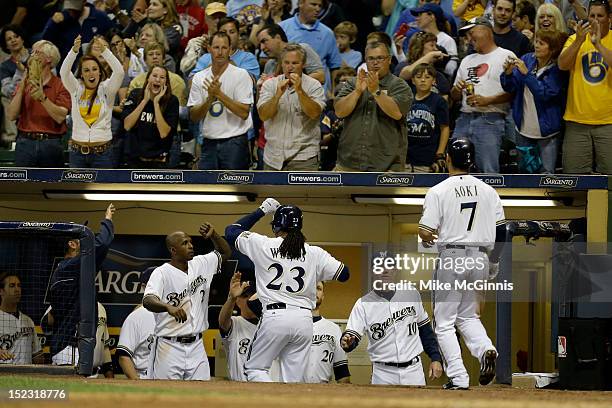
(184, 339)
(480, 248)
(280, 305)
(401, 365)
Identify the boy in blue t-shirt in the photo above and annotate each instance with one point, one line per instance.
(427, 124)
(346, 34)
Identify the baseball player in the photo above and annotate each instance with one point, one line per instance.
(18, 340)
(137, 337)
(287, 270)
(177, 293)
(102, 361)
(326, 355)
(466, 217)
(237, 332)
(398, 329)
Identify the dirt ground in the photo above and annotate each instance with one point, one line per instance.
(218, 394)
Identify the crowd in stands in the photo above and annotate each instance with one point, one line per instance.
(345, 85)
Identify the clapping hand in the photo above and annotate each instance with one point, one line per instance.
(372, 81)
(213, 87)
(362, 81)
(236, 287)
(595, 33)
(296, 81)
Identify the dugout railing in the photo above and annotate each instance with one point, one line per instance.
(19, 243)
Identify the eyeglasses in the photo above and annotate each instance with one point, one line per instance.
(116, 43)
(377, 59)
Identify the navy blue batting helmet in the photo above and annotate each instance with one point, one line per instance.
(462, 153)
(287, 218)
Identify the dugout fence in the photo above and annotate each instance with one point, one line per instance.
(32, 251)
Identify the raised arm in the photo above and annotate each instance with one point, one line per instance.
(235, 289)
(221, 245)
(68, 79)
(245, 223)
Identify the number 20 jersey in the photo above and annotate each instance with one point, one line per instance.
(462, 209)
(289, 281)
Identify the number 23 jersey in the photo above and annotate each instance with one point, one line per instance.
(290, 281)
(462, 209)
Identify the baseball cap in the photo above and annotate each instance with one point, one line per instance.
(215, 7)
(481, 21)
(73, 5)
(429, 8)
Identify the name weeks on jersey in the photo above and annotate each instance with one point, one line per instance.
(434, 284)
(175, 298)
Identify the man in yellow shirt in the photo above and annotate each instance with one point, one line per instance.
(588, 56)
(154, 55)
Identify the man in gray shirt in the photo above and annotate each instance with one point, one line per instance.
(290, 106)
(272, 40)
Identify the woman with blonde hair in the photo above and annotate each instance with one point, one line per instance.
(549, 18)
(163, 12)
(150, 33)
(93, 97)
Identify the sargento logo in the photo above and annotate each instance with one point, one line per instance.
(157, 176)
(238, 178)
(26, 224)
(554, 181)
(314, 178)
(79, 175)
(14, 175)
(493, 181)
(394, 180)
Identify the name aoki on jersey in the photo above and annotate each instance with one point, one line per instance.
(8, 340)
(175, 299)
(379, 330)
(323, 338)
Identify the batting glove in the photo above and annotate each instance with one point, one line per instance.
(493, 270)
(269, 206)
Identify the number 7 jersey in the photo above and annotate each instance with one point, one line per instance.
(289, 281)
(462, 209)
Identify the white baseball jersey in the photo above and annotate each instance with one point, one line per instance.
(102, 337)
(18, 337)
(392, 326)
(325, 352)
(463, 209)
(136, 338)
(190, 291)
(237, 344)
(290, 281)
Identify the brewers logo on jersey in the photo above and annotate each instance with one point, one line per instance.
(18, 337)
(392, 326)
(325, 352)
